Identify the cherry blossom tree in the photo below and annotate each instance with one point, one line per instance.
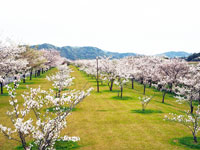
(45, 130)
(121, 82)
(145, 101)
(11, 62)
(121, 75)
(109, 69)
(62, 78)
(35, 60)
(191, 121)
(167, 73)
(131, 71)
(97, 76)
(143, 70)
(53, 57)
(162, 73)
(188, 89)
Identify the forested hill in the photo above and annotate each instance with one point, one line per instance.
(194, 57)
(172, 54)
(86, 52)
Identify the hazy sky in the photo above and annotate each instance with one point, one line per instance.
(141, 26)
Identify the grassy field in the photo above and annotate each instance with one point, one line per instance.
(105, 122)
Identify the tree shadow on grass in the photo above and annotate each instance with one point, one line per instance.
(196, 103)
(170, 95)
(41, 76)
(94, 81)
(22, 87)
(4, 105)
(113, 91)
(4, 94)
(59, 145)
(155, 90)
(66, 89)
(102, 85)
(30, 83)
(186, 142)
(63, 109)
(67, 145)
(123, 98)
(102, 110)
(181, 111)
(147, 111)
(95, 91)
(164, 103)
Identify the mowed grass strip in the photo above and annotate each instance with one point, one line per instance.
(105, 122)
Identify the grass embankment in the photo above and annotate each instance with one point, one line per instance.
(105, 122)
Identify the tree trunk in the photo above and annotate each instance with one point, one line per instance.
(199, 97)
(191, 107)
(97, 85)
(1, 84)
(150, 83)
(163, 98)
(38, 73)
(195, 138)
(59, 93)
(143, 107)
(24, 78)
(121, 91)
(170, 87)
(111, 84)
(42, 70)
(97, 76)
(132, 83)
(31, 75)
(159, 87)
(23, 140)
(15, 78)
(141, 81)
(144, 89)
(35, 73)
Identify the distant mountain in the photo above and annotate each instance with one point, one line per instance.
(194, 57)
(86, 52)
(172, 54)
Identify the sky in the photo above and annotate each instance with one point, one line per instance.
(140, 26)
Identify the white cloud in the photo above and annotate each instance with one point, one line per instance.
(145, 26)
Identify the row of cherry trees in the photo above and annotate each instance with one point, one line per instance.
(167, 75)
(19, 61)
(44, 128)
(38, 122)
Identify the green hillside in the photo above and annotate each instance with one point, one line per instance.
(86, 52)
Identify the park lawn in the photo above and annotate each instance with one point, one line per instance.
(105, 122)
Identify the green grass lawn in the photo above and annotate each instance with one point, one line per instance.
(105, 122)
